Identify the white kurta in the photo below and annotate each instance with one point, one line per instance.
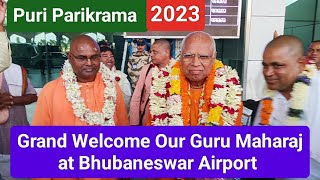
(311, 117)
(125, 88)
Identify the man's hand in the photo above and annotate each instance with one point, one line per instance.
(6, 100)
(3, 8)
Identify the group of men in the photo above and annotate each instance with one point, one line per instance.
(195, 90)
(191, 91)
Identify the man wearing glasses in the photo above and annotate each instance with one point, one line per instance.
(85, 94)
(137, 61)
(198, 90)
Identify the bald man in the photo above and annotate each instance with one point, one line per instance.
(56, 103)
(282, 63)
(286, 103)
(139, 106)
(197, 90)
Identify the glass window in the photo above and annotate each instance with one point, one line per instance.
(302, 20)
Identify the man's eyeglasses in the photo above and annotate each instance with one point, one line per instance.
(188, 57)
(84, 59)
(140, 44)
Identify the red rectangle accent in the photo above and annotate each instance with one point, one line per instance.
(175, 15)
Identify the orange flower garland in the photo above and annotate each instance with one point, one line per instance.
(219, 103)
(211, 111)
(266, 111)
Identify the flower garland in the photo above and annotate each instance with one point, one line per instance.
(114, 70)
(159, 92)
(117, 78)
(220, 100)
(297, 101)
(79, 108)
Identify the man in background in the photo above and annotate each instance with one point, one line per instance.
(137, 61)
(107, 57)
(313, 52)
(16, 91)
(139, 106)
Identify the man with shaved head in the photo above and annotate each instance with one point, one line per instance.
(198, 89)
(289, 100)
(282, 62)
(313, 52)
(160, 59)
(85, 94)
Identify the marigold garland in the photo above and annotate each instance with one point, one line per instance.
(266, 111)
(220, 101)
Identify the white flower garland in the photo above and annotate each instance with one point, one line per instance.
(158, 91)
(232, 92)
(174, 103)
(227, 96)
(80, 110)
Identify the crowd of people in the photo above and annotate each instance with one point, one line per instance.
(196, 89)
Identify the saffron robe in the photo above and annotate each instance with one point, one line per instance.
(54, 109)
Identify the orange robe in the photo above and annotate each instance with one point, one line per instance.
(53, 108)
(194, 106)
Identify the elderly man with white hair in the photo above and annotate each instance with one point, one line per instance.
(197, 90)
